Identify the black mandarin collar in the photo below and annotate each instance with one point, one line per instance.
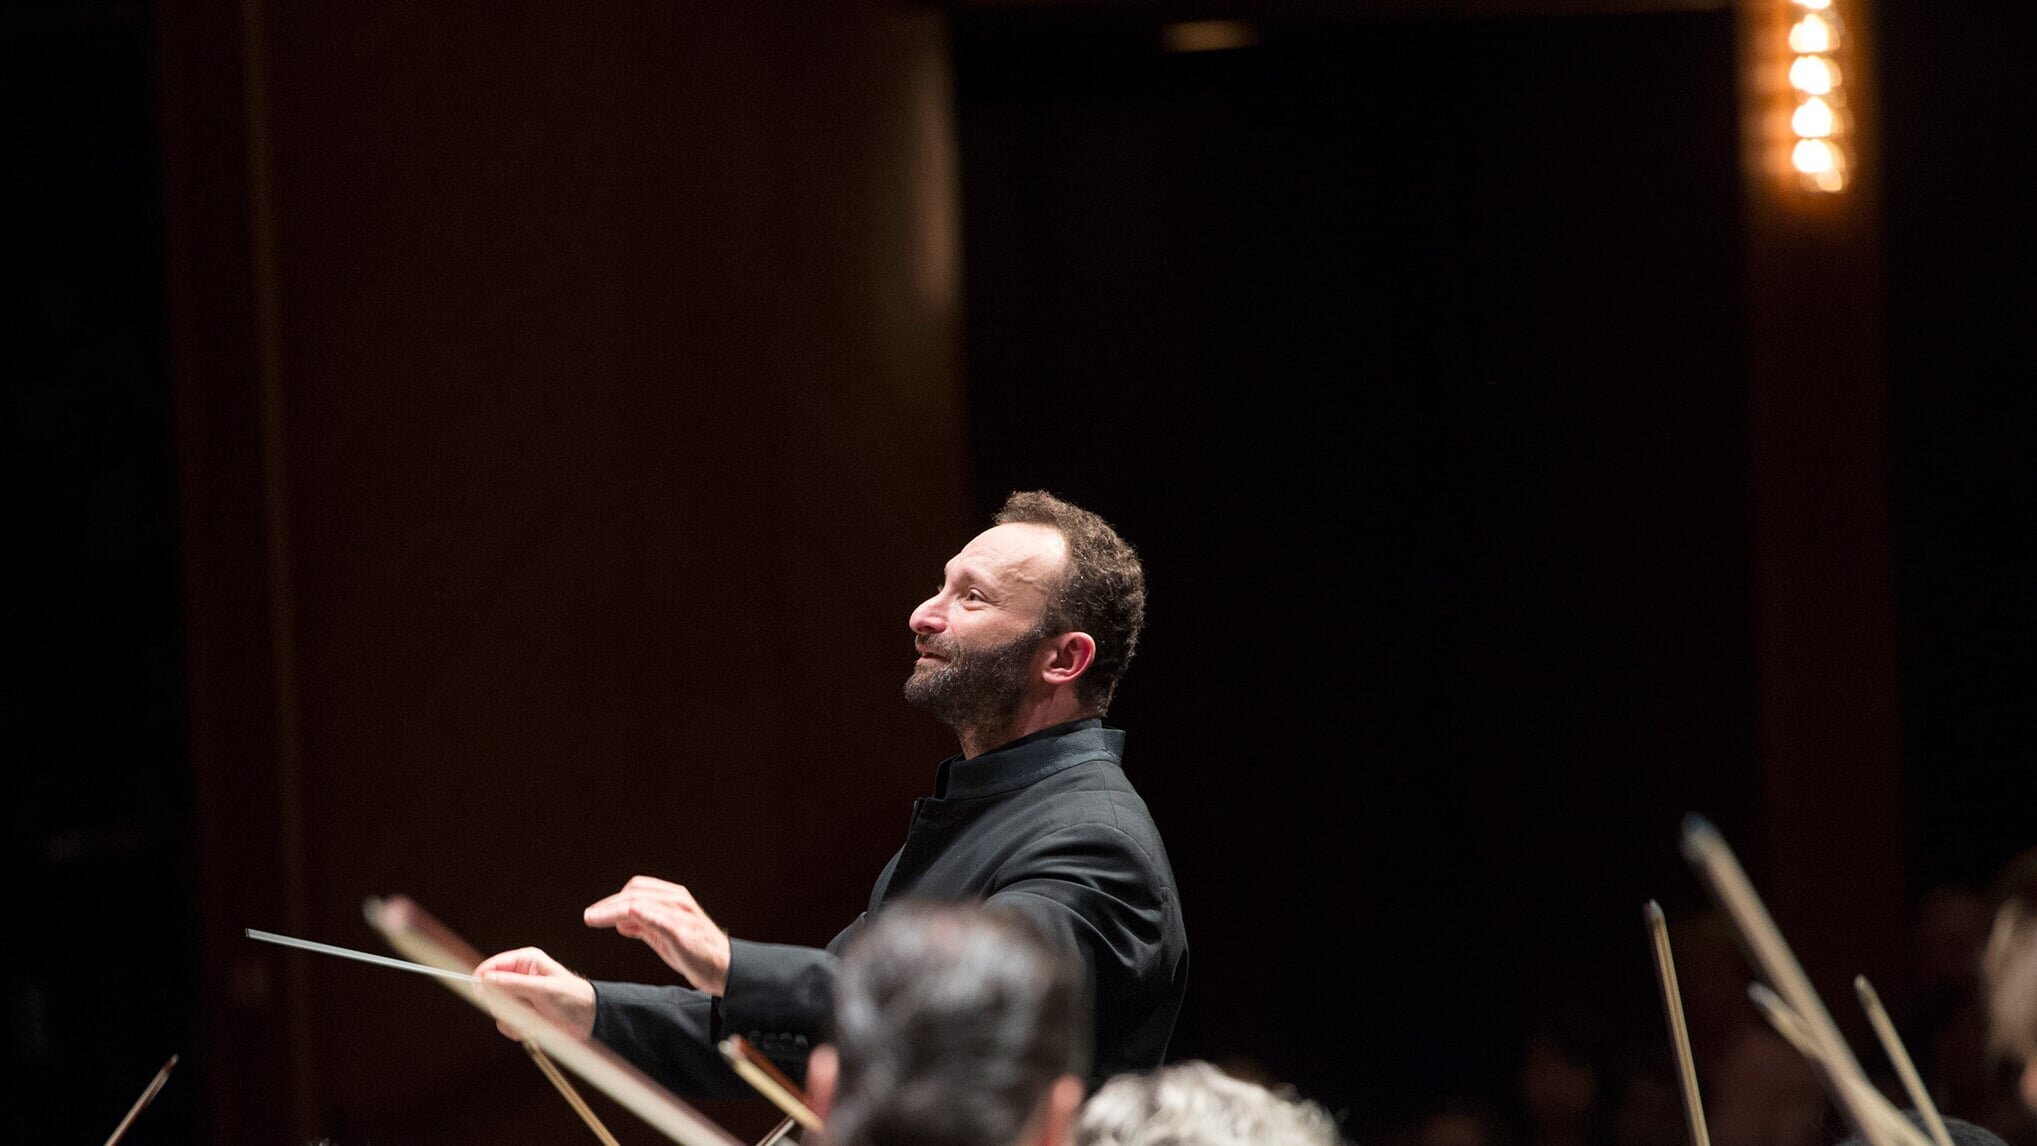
(1027, 760)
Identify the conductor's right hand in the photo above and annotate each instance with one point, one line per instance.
(529, 974)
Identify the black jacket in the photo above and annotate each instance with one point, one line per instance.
(1048, 825)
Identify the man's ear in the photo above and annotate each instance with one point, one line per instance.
(1063, 1103)
(823, 1067)
(1068, 656)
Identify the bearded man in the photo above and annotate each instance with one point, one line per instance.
(1020, 651)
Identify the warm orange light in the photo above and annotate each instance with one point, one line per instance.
(1813, 75)
(1813, 33)
(1822, 165)
(1813, 119)
(1813, 156)
(1207, 35)
(1816, 150)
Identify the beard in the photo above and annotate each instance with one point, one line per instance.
(975, 691)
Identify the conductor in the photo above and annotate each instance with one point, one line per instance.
(1019, 653)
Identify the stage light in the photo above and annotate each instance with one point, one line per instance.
(1813, 119)
(1812, 35)
(1814, 157)
(1821, 164)
(1803, 125)
(1813, 75)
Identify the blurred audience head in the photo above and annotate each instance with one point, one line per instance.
(2009, 972)
(1559, 1088)
(1461, 1121)
(1195, 1104)
(954, 1025)
(1961, 1132)
(1646, 1105)
(1949, 928)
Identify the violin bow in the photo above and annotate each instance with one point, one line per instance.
(148, 1095)
(414, 933)
(465, 957)
(1822, 1044)
(1791, 1027)
(764, 1076)
(1679, 1032)
(1899, 1057)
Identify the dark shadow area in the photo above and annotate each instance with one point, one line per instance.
(1962, 251)
(1412, 350)
(100, 975)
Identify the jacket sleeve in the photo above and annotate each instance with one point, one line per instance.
(1099, 891)
(668, 1033)
(777, 998)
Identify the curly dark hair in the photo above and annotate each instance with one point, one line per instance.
(952, 1022)
(1103, 593)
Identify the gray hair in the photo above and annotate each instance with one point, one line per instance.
(1195, 1104)
(952, 1023)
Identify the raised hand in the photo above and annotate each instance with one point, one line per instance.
(667, 918)
(529, 974)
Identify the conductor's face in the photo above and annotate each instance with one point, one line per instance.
(979, 635)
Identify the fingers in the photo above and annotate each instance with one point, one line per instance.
(541, 983)
(666, 917)
(522, 961)
(644, 900)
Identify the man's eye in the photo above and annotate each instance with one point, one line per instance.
(973, 595)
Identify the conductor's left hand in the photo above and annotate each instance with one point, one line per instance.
(668, 918)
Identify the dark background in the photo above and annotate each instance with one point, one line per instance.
(484, 452)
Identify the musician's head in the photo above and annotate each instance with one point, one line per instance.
(1034, 623)
(954, 1025)
(2009, 973)
(1195, 1104)
(1961, 1132)
(1101, 591)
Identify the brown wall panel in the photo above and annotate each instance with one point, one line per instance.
(613, 429)
(1833, 809)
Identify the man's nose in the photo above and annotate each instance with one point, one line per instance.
(929, 617)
